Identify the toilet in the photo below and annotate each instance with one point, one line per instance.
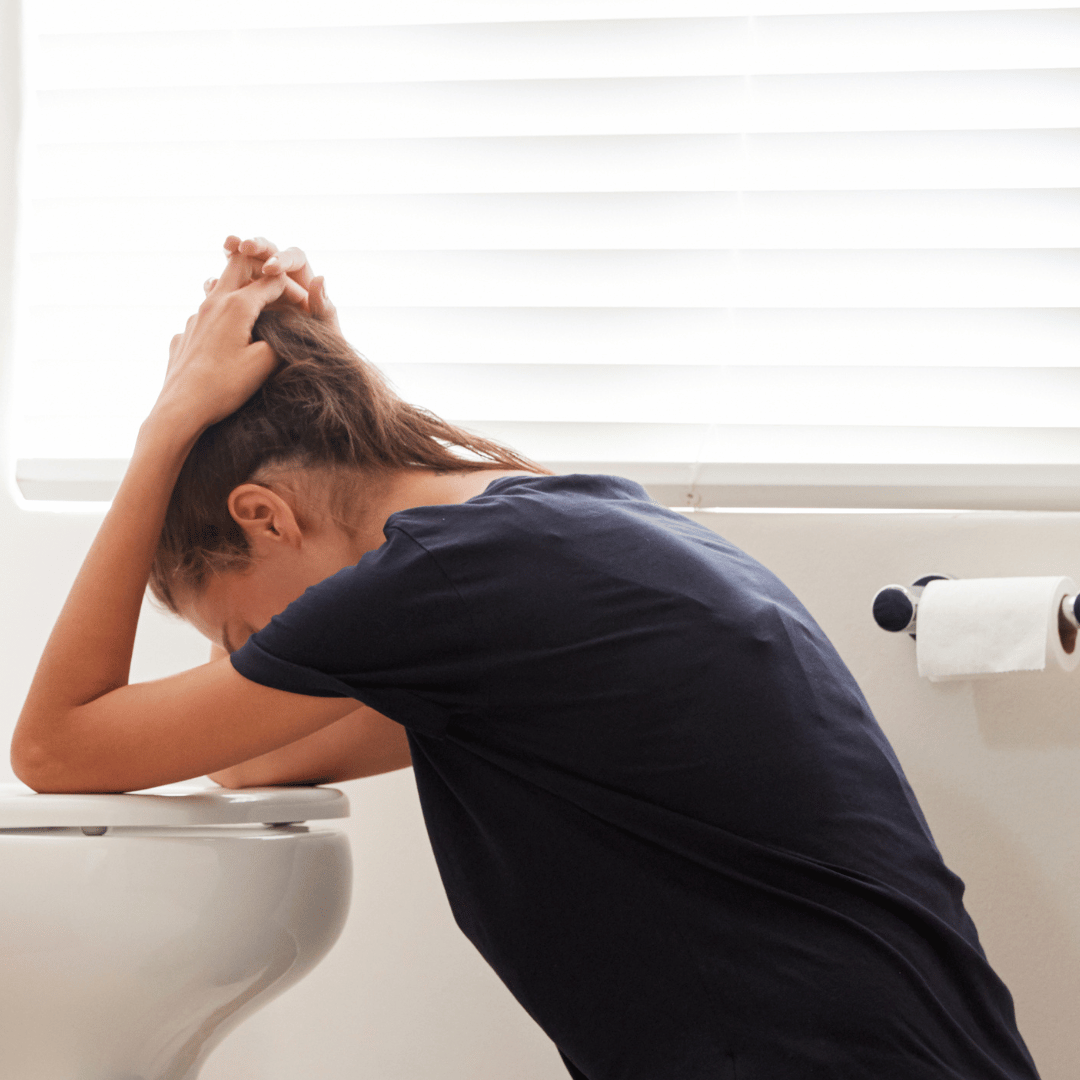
(137, 930)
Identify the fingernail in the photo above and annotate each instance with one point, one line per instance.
(271, 263)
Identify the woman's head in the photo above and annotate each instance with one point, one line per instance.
(325, 414)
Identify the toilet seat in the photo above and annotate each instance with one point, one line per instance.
(171, 806)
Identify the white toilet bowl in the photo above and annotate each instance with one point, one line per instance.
(137, 930)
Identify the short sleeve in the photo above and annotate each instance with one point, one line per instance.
(391, 631)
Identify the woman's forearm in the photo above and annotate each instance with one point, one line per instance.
(364, 743)
(89, 651)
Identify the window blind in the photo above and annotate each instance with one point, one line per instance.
(788, 253)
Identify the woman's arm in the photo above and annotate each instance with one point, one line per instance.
(83, 728)
(364, 743)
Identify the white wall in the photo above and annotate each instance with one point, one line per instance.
(403, 995)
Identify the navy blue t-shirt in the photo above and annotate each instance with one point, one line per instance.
(660, 805)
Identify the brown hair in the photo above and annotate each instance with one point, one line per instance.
(324, 407)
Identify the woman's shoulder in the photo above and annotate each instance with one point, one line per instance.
(518, 505)
(566, 485)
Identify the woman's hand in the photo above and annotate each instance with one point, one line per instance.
(302, 289)
(214, 366)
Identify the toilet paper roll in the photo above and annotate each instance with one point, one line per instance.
(981, 626)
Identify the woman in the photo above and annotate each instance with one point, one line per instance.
(659, 803)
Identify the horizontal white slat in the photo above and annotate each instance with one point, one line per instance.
(137, 15)
(767, 337)
(929, 487)
(932, 101)
(725, 395)
(76, 438)
(131, 343)
(567, 50)
(634, 220)
(599, 447)
(736, 447)
(841, 279)
(311, 170)
(705, 483)
(940, 397)
(743, 445)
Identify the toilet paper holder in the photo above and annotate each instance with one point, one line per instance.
(896, 607)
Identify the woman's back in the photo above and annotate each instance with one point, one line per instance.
(660, 805)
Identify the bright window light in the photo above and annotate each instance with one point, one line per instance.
(823, 252)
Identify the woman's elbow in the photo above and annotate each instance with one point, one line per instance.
(28, 773)
(41, 758)
(33, 765)
(46, 772)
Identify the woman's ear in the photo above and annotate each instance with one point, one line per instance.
(263, 515)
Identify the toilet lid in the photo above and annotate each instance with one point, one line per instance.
(174, 805)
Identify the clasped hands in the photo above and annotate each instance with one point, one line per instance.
(263, 259)
(214, 366)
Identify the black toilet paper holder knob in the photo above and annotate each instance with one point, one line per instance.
(896, 607)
